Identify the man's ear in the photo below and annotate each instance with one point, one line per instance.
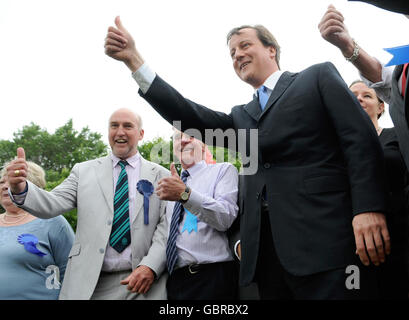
(272, 52)
(141, 133)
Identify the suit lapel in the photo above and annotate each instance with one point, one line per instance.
(253, 108)
(285, 80)
(147, 172)
(105, 180)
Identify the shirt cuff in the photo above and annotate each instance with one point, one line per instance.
(144, 77)
(20, 197)
(194, 204)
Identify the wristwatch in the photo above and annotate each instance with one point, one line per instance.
(184, 196)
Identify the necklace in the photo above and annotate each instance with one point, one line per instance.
(3, 218)
(378, 130)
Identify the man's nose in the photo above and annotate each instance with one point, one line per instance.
(238, 55)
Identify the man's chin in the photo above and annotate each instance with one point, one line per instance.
(122, 154)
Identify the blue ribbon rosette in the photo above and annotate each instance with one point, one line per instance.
(190, 222)
(30, 241)
(145, 188)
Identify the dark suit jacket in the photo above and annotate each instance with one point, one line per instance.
(319, 159)
(400, 6)
(399, 112)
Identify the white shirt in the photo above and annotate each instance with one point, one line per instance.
(213, 201)
(113, 260)
(383, 88)
(271, 82)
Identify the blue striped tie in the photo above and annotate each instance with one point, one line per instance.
(121, 233)
(171, 252)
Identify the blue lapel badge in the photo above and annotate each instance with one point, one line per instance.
(145, 188)
(29, 241)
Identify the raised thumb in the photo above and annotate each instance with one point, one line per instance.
(21, 154)
(173, 170)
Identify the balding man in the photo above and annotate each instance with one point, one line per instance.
(119, 248)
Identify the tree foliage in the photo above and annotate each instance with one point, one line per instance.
(57, 153)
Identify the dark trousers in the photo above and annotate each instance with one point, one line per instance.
(276, 283)
(213, 281)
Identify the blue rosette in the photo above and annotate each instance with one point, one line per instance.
(190, 222)
(30, 241)
(145, 188)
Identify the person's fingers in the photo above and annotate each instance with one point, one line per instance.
(370, 248)
(115, 43)
(331, 16)
(386, 239)
(360, 249)
(111, 50)
(117, 37)
(331, 23)
(331, 31)
(126, 280)
(379, 246)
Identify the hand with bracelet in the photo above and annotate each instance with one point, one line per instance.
(333, 29)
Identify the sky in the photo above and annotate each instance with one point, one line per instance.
(53, 67)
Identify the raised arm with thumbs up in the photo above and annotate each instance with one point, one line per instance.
(120, 46)
(17, 172)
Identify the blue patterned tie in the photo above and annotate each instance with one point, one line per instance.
(171, 252)
(121, 233)
(263, 96)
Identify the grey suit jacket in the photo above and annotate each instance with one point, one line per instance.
(89, 188)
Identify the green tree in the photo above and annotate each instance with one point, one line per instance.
(56, 153)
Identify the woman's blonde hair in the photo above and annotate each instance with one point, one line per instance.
(35, 174)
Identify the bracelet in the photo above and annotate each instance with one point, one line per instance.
(355, 54)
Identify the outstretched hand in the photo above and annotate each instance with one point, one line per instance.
(120, 45)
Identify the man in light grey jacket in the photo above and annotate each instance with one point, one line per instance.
(120, 242)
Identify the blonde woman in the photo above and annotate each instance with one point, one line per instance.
(33, 252)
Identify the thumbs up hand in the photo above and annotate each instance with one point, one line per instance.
(170, 188)
(120, 45)
(17, 172)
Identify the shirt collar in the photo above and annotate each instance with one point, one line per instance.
(196, 167)
(132, 161)
(271, 81)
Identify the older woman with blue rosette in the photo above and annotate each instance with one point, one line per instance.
(33, 252)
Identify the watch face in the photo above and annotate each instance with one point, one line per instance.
(184, 196)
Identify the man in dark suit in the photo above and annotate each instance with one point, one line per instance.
(319, 179)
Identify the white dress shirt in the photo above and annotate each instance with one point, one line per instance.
(113, 260)
(271, 82)
(383, 88)
(213, 201)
